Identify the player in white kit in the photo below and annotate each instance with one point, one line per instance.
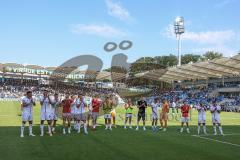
(46, 113)
(155, 105)
(55, 102)
(215, 110)
(81, 113)
(73, 111)
(201, 108)
(27, 112)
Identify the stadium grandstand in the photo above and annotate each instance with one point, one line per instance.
(201, 81)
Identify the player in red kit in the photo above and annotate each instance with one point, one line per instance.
(185, 109)
(96, 103)
(66, 113)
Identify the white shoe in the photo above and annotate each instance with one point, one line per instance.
(64, 132)
(106, 128)
(125, 127)
(188, 131)
(110, 128)
(181, 130)
(86, 132)
(21, 135)
(69, 131)
(41, 135)
(222, 134)
(137, 129)
(130, 127)
(32, 135)
(144, 128)
(215, 134)
(164, 129)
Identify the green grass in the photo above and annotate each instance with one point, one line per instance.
(117, 144)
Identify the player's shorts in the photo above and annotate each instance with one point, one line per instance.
(74, 116)
(129, 115)
(201, 118)
(95, 115)
(185, 119)
(141, 116)
(26, 116)
(47, 116)
(164, 116)
(55, 116)
(154, 116)
(216, 119)
(107, 116)
(81, 117)
(66, 115)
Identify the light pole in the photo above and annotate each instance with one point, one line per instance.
(179, 29)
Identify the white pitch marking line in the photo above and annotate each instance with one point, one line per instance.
(205, 135)
(237, 145)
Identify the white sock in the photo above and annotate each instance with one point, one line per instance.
(220, 129)
(110, 126)
(30, 129)
(42, 128)
(215, 129)
(49, 129)
(22, 129)
(199, 128)
(204, 129)
(69, 129)
(85, 127)
(78, 127)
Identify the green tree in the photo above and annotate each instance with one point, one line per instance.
(187, 58)
(212, 55)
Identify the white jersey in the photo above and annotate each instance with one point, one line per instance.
(74, 106)
(173, 105)
(46, 107)
(201, 113)
(215, 110)
(155, 108)
(90, 104)
(80, 109)
(55, 104)
(29, 107)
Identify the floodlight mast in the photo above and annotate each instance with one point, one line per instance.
(179, 29)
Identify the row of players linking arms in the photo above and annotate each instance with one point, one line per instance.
(75, 109)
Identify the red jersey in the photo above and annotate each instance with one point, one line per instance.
(96, 105)
(67, 105)
(185, 110)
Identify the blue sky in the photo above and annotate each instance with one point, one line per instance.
(49, 32)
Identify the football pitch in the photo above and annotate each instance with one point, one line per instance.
(119, 143)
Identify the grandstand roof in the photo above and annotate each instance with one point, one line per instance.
(217, 68)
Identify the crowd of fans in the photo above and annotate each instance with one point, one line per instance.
(15, 90)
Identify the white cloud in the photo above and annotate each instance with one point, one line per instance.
(224, 41)
(210, 37)
(117, 11)
(206, 37)
(102, 30)
(223, 3)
